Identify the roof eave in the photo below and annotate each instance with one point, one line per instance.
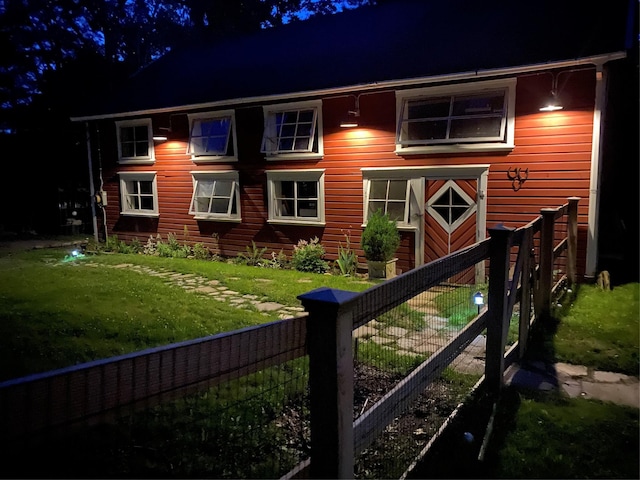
(497, 72)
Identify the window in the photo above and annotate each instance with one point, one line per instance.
(450, 206)
(212, 136)
(139, 195)
(389, 196)
(475, 116)
(135, 141)
(293, 131)
(296, 196)
(216, 196)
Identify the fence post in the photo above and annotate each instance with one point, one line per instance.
(525, 295)
(497, 320)
(329, 332)
(547, 236)
(572, 239)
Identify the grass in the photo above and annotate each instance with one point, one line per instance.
(55, 314)
(601, 329)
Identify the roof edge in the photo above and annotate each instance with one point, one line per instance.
(592, 60)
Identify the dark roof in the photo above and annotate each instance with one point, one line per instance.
(396, 40)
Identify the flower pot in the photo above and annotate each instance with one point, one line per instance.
(382, 269)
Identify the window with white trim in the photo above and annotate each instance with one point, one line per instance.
(293, 130)
(389, 196)
(212, 136)
(476, 116)
(450, 206)
(138, 193)
(216, 196)
(135, 141)
(296, 196)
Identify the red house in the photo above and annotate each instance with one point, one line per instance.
(435, 112)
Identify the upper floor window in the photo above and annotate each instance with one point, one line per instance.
(212, 136)
(293, 130)
(138, 193)
(470, 117)
(216, 196)
(135, 141)
(296, 196)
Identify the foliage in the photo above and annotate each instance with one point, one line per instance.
(308, 256)
(201, 252)
(347, 258)
(380, 238)
(115, 245)
(172, 248)
(278, 260)
(253, 255)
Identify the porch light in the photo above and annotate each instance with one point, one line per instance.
(353, 116)
(553, 103)
(478, 299)
(160, 138)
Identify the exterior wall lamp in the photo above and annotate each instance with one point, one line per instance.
(353, 116)
(553, 102)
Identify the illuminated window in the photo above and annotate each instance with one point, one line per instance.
(135, 141)
(212, 136)
(467, 117)
(293, 131)
(139, 195)
(296, 196)
(216, 196)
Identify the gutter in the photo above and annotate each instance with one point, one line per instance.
(597, 60)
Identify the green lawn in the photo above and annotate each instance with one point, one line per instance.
(55, 313)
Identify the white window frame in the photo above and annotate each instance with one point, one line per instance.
(230, 176)
(231, 137)
(450, 228)
(275, 176)
(125, 183)
(367, 197)
(413, 205)
(270, 135)
(136, 159)
(506, 143)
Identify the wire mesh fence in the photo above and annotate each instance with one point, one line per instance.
(388, 348)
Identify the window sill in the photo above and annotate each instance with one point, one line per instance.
(294, 156)
(217, 219)
(460, 148)
(142, 161)
(140, 214)
(213, 159)
(401, 227)
(309, 223)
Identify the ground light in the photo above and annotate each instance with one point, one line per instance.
(74, 255)
(478, 299)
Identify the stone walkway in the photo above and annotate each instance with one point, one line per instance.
(213, 289)
(576, 381)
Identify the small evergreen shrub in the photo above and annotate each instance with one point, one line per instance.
(380, 238)
(308, 256)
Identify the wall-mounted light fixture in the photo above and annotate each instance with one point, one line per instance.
(353, 116)
(552, 103)
(162, 135)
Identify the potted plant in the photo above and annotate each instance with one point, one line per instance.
(380, 240)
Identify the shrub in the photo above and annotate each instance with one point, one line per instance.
(380, 238)
(172, 248)
(307, 256)
(201, 252)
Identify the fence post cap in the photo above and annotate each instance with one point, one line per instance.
(327, 295)
(501, 228)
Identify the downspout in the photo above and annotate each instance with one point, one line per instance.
(92, 189)
(596, 166)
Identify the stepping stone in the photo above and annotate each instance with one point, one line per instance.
(571, 370)
(229, 292)
(268, 306)
(364, 331)
(208, 290)
(395, 331)
(213, 282)
(610, 377)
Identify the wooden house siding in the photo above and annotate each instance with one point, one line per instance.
(553, 147)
